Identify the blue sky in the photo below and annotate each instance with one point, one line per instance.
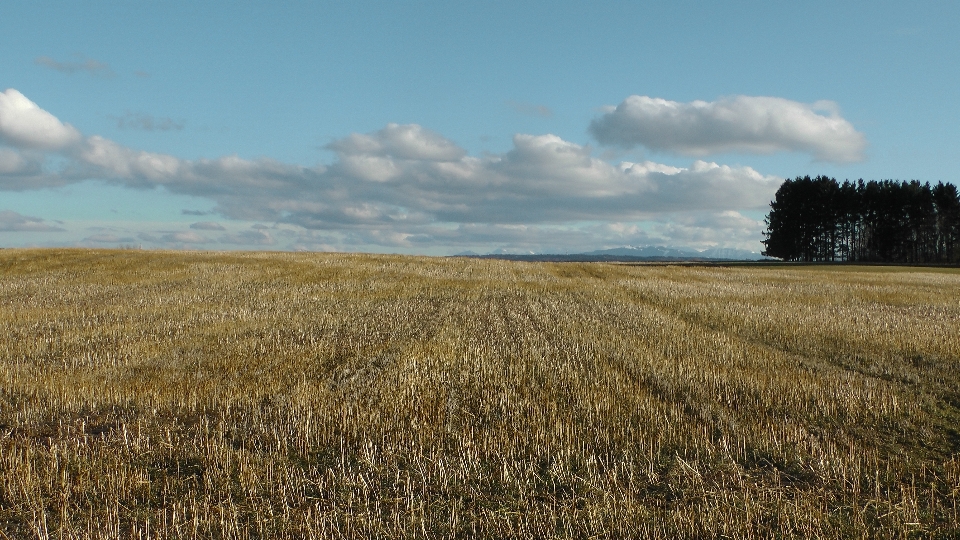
(441, 127)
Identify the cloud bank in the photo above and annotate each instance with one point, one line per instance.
(406, 176)
(11, 221)
(207, 226)
(757, 125)
(402, 186)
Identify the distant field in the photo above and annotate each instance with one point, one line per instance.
(278, 395)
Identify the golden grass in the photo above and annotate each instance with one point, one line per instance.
(183, 395)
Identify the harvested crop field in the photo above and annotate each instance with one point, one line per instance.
(280, 395)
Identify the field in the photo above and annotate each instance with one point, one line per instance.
(280, 395)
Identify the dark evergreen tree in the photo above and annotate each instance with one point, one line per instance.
(802, 223)
(848, 221)
(818, 219)
(785, 237)
(946, 202)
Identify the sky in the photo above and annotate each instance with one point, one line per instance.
(447, 127)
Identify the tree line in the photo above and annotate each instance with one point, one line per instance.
(820, 219)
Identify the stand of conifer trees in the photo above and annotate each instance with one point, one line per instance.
(819, 219)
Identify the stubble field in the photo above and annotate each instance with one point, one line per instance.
(270, 395)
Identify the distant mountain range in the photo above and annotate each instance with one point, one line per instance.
(630, 253)
(662, 251)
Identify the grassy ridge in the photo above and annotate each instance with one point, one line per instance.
(173, 395)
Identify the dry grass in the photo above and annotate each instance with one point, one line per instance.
(181, 395)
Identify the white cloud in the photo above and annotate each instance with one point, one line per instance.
(11, 161)
(22, 169)
(543, 179)
(11, 221)
(709, 229)
(758, 125)
(25, 125)
(400, 142)
(407, 187)
(122, 162)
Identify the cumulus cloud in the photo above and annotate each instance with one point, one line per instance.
(542, 179)
(87, 65)
(406, 186)
(23, 124)
(759, 125)
(12, 162)
(11, 221)
(122, 162)
(728, 228)
(401, 142)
